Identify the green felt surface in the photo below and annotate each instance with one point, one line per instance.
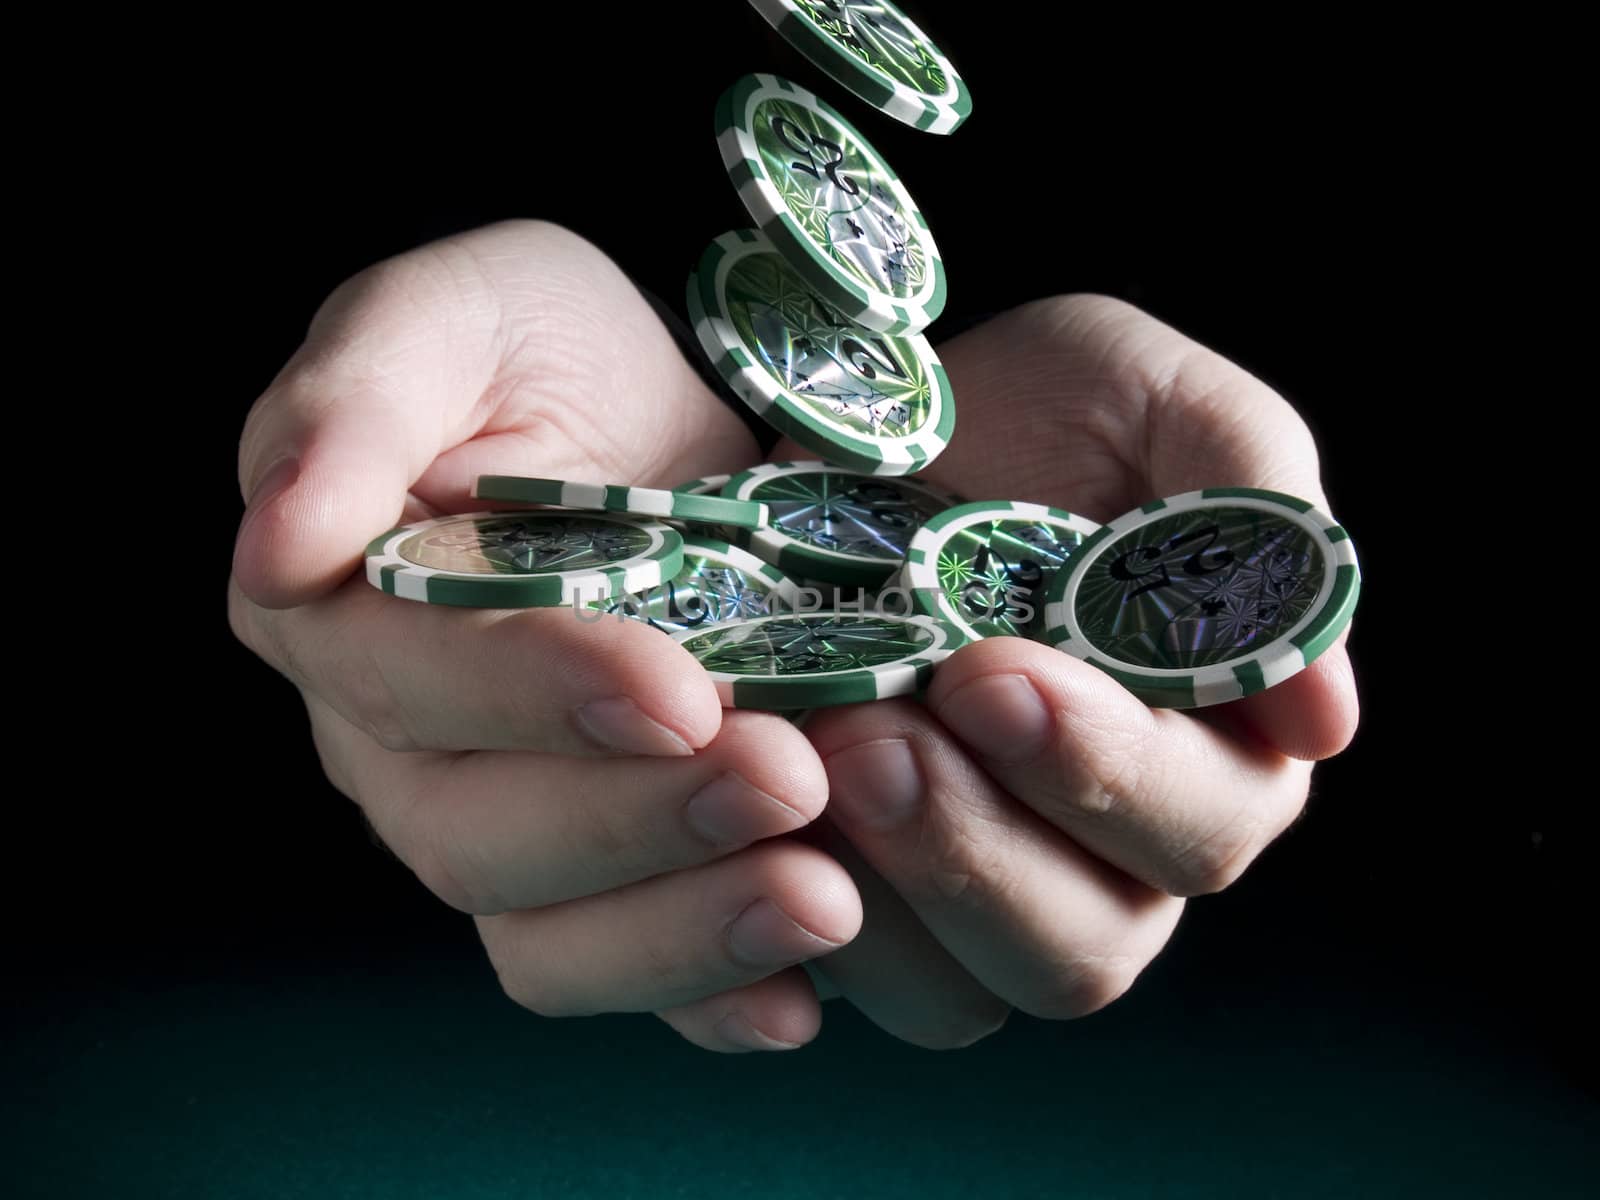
(419, 1079)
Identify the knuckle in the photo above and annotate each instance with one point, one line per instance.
(379, 714)
(962, 866)
(442, 879)
(334, 767)
(533, 991)
(385, 728)
(521, 978)
(602, 832)
(1088, 986)
(1096, 779)
(1214, 862)
(439, 859)
(1217, 860)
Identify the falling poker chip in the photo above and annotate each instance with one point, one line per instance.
(869, 401)
(815, 660)
(879, 54)
(621, 498)
(985, 567)
(522, 560)
(830, 204)
(835, 526)
(1206, 597)
(717, 582)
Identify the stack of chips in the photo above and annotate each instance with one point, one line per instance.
(815, 321)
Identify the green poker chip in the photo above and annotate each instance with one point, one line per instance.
(717, 582)
(835, 526)
(985, 567)
(816, 660)
(874, 50)
(710, 485)
(872, 402)
(522, 560)
(1206, 597)
(830, 204)
(634, 501)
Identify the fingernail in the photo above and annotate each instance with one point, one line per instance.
(875, 785)
(1003, 717)
(740, 1032)
(766, 936)
(728, 811)
(620, 724)
(277, 478)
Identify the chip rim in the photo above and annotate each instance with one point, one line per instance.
(1283, 657)
(877, 310)
(920, 575)
(740, 367)
(809, 562)
(826, 689)
(941, 114)
(654, 503)
(706, 485)
(393, 574)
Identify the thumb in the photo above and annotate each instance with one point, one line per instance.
(454, 360)
(386, 380)
(330, 481)
(326, 468)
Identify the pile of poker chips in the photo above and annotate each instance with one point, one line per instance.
(815, 321)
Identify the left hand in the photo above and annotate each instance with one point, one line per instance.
(1025, 837)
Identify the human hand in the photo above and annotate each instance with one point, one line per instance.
(574, 785)
(1025, 837)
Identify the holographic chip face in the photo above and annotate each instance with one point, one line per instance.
(524, 543)
(1199, 588)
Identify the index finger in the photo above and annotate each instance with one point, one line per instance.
(426, 677)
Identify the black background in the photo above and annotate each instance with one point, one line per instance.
(1283, 216)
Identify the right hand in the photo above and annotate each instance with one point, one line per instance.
(576, 786)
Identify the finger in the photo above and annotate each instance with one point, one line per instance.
(1310, 716)
(508, 332)
(896, 971)
(1035, 919)
(780, 1012)
(1176, 802)
(1148, 413)
(676, 938)
(489, 832)
(430, 677)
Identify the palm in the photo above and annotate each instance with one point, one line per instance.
(1083, 404)
(548, 362)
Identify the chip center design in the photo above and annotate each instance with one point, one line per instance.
(1195, 589)
(808, 645)
(881, 40)
(525, 544)
(836, 194)
(869, 517)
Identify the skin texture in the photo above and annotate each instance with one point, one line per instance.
(627, 845)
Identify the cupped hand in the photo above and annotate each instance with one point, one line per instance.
(1024, 839)
(573, 784)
